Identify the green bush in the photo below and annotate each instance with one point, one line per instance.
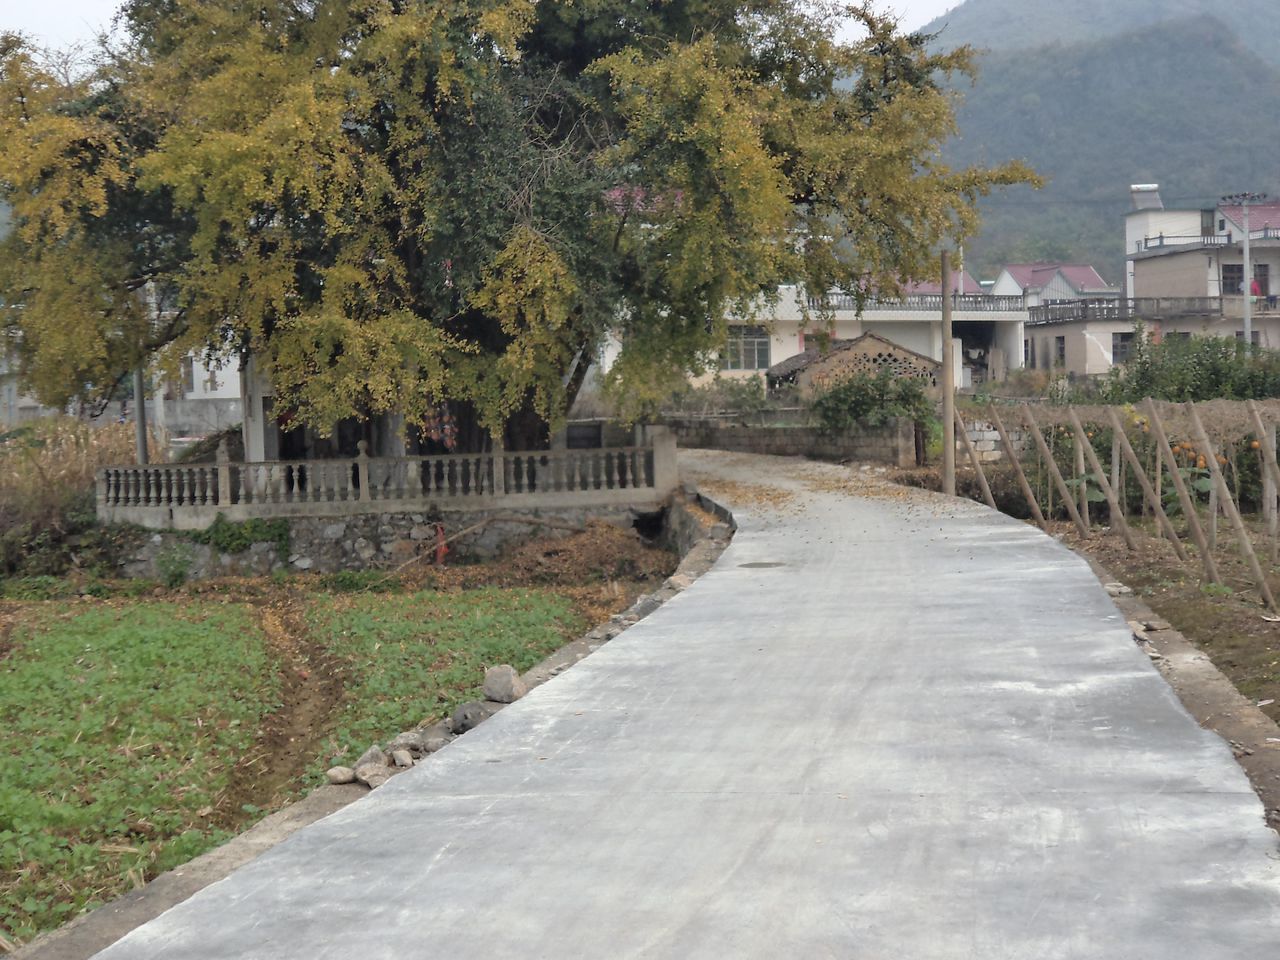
(1181, 369)
(173, 563)
(872, 401)
(228, 537)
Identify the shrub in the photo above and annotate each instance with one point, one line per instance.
(228, 537)
(872, 401)
(1180, 369)
(173, 563)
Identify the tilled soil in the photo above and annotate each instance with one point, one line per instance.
(311, 684)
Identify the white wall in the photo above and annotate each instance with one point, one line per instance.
(1006, 286)
(214, 380)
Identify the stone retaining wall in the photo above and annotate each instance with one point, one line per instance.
(372, 541)
(893, 444)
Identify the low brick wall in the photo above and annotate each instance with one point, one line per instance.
(986, 441)
(893, 444)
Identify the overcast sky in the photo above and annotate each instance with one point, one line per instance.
(63, 22)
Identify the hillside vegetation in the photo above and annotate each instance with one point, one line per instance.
(1019, 24)
(1183, 103)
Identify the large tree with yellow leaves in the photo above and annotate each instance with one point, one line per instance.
(396, 203)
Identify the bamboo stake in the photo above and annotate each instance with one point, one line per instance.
(1153, 497)
(1184, 497)
(1082, 491)
(1270, 469)
(963, 433)
(1159, 474)
(1213, 516)
(1012, 454)
(1275, 509)
(1063, 490)
(1117, 476)
(1108, 491)
(1233, 513)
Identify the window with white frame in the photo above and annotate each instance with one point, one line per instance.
(747, 349)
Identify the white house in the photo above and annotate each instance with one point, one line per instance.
(988, 329)
(1185, 276)
(1039, 283)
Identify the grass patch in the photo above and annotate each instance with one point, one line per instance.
(415, 656)
(359, 581)
(121, 725)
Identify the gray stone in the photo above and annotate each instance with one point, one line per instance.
(471, 715)
(411, 740)
(432, 744)
(365, 550)
(1119, 590)
(373, 774)
(341, 775)
(304, 563)
(502, 684)
(441, 728)
(373, 755)
(402, 758)
(334, 531)
(644, 606)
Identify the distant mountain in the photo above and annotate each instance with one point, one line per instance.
(1179, 102)
(1021, 24)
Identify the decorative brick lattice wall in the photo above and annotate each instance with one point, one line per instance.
(868, 357)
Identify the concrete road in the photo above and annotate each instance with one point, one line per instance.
(884, 727)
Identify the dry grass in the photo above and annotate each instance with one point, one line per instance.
(47, 465)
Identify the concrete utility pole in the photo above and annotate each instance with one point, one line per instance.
(948, 385)
(1244, 199)
(140, 415)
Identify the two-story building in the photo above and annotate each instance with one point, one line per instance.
(987, 329)
(1185, 276)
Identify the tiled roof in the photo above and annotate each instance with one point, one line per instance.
(784, 368)
(1036, 276)
(1260, 214)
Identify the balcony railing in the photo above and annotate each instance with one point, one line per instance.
(922, 303)
(1140, 308)
(1199, 240)
(1173, 240)
(191, 496)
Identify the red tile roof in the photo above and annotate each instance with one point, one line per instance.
(1260, 214)
(1081, 276)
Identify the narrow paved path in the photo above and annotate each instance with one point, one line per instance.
(885, 727)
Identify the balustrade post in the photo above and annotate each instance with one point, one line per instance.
(223, 461)
(665, 473)
(499, 468)
(362, 471)
(100, 481)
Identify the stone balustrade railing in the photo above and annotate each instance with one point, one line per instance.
(178, 496)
